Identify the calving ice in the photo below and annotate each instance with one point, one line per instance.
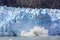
(28, 21)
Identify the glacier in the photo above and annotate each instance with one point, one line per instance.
(14, 20)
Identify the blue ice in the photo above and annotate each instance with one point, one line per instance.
(14, 20)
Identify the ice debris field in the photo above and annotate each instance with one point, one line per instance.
(29, 22)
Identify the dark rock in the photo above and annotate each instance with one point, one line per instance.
(32, 3)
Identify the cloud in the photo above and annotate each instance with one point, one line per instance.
(36, 31)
